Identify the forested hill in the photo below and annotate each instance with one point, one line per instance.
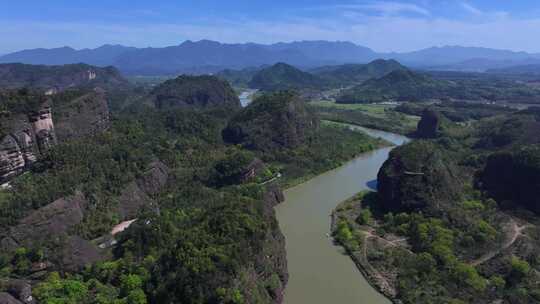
(401, 84)
(409, 85)
(357, 73)
(59, 78)
(194, 91)
(282, 76)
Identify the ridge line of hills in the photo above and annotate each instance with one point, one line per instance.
(207, 56)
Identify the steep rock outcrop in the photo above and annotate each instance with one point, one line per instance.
(55, 223)
(514, 176)
(52, 220)
(6, 298)
(29, 130)
(270, 267)
(429, 125)
(21, 290)
(417, 177)
(195, 91)
(273, 121)
(140, 193)
(84, 116)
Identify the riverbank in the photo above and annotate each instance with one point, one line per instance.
(335, 145)
(319, 272)
(375, 116)
(354, 229)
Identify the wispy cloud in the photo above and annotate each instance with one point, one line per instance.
(393, 27)
(471, 9)
(483, 13)
(388, 8)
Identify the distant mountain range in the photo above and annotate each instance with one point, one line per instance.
(207, 56)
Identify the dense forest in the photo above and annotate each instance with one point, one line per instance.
(200, 204)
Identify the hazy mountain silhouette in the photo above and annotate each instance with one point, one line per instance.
(207, 56)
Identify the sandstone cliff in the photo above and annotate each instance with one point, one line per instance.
(270, 266)
(55, 223)
(28, 131)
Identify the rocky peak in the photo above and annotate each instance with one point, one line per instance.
(429, 125)
(273, 121)
(416, 177)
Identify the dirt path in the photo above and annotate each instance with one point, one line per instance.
(380, 280)
(394, 243)
(513, 234)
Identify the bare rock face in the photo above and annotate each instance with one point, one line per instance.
(84, 116)
(55, 222)
(271, 265)
(52, 220)
(139, 193)
(77, 253)
(12, 161)
(21, 290)
(6, 298)
(29, 135)
(273, 195)
(428, 126)
(154, 179)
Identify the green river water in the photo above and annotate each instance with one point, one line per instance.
(319, 271)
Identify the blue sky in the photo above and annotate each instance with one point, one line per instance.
(381, 25)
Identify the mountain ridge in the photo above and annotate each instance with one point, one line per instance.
(207, 56)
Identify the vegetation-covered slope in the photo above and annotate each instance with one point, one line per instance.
(194, 91)
(406, 85)
(197, 213)
(59, 77)
(356, 73)
(282, 76)
(276, 121)
(397, 85)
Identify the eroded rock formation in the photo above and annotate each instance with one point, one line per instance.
(29, 135)
(84, 116)
(429, 125)
(417, 177)
(140, 193)
(270, 265)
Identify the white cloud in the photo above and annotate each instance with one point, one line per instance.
(471, 9)
(484, 14)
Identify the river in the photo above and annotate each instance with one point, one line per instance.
(319, 271)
